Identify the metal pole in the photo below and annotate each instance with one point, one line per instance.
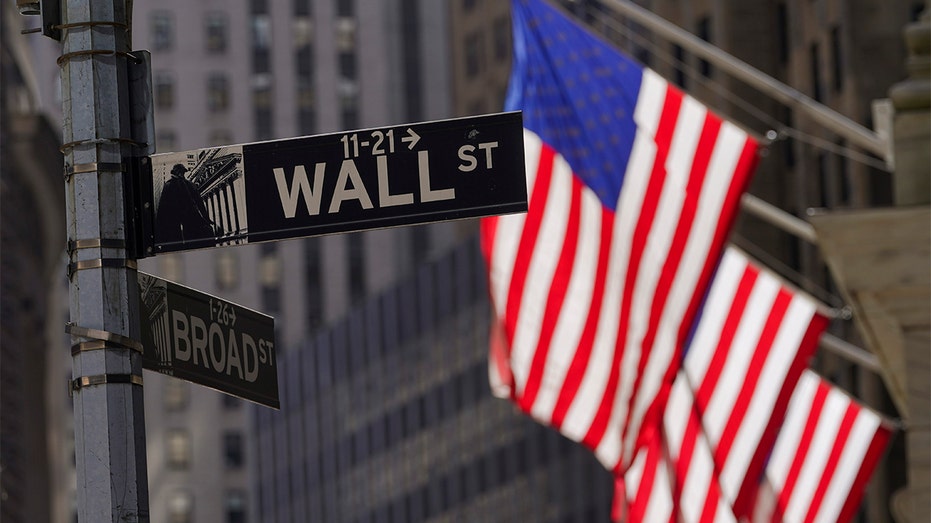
(786, 95)
(109, 423)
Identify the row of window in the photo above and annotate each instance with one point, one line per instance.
(179, 449)
(180, 507)
(216, 32)
(176, 393)
(474, 56)
(428, 410)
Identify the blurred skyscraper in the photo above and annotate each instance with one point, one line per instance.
(234, 71)
(32, 240)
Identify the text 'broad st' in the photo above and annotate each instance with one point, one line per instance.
(207, 340)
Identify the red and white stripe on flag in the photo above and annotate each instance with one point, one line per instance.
(752, 340)
(751, 343)
(594, 304)
(675, 479)
(823, 458)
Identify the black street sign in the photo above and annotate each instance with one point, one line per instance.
(209, 341)
(341, 182)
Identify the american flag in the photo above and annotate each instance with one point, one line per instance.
(823, 458)
(750, 345)
(633, 188)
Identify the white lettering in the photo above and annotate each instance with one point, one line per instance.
(426, 193)
(487, 147)
(263, 352)
(464, 155)
(232, 358)
(384, 198)
(250, 355)
(199, 339)
(180, 327)
(348, 171)
(300, 185)
(219, 362)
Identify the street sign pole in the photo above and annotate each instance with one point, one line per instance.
(109, 424)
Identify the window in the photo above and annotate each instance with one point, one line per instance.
(270, 278)
(220, 137)
(679, 63)
(175, 395)
(164, 90)
(345, 8)
(704, 32)
(162, 31)
(261, 43)
(782, 28)
(814, 58)
(227, 268)
(179, 449)
(235, 507)
(837, 60)
(216, 32)
(302, 7)
(502, 35)
(262, 109)
(166, 140)
(218, 92)
(473, 54)
(412, 68)
(313, 280)
(181, 507)
(356, 255)
(171, 267)
(347, 65)
(349, 104)
(259, 7)
(345, 34)
(303, 48)
(231, 402)
(233, 454)
(306, 108)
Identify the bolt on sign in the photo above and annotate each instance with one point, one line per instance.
(341, 182)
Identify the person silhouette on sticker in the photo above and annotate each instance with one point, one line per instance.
(181, 215)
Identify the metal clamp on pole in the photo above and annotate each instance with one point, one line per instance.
(101, 340)
(97, 141)
(95, 52)
(103, 379)
(96, 243)
(93, 167)
(112, 263)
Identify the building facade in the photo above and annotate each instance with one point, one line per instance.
(387, 416)
(32, 243)
(237, 71)
(423, 440)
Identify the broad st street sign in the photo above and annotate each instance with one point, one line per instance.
(206, 340)
(341, 182)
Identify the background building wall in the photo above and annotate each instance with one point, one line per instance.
(32, 242)
(298, 67)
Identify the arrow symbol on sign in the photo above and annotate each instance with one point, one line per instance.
(411, 139)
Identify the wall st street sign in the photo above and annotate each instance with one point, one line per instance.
(349, 181)
(207, 340)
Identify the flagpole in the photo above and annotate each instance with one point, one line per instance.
(832, 120)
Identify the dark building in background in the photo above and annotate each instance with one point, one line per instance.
(387, 416)
(32, 240)
(386, 413)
